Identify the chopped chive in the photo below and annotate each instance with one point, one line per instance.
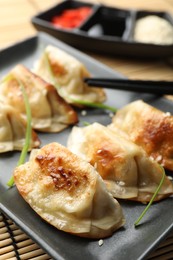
(152, 199)
(85, 123)
(96, 105)
(28, 133)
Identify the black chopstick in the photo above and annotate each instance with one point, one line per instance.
(147, 86)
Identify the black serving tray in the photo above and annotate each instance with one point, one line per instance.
(128, 242)
(108, 30)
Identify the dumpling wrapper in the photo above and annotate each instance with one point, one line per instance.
(148, 127)
(67, 74)
(50, 113)
(125, 167)
(68, 193)
(13, 130)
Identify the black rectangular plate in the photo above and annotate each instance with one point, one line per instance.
(126, 243)
(118, 26)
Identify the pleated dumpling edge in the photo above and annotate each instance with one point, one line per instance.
(68, 193)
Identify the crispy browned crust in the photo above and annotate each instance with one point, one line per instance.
(155, 137)
(57, 169)
(63, 168)
(150, 128)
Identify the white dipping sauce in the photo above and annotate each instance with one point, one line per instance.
(153, 29)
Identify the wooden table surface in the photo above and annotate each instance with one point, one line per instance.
(15, 26)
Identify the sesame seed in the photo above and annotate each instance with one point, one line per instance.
(111, 115)
(100, 242)
(167, 114)
(170, 178)
(83, 112)
(159, 158)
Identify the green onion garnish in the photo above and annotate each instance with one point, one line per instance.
(28, 133)
(152, 199)
(92, 104)
(85, 123)
(6, 78)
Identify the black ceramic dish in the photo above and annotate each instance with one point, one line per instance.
(126, 243)
(107, 30)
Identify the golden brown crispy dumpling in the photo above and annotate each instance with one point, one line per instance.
(148, 127)
(67, 74)
(50, 113)
(13, 130)
(67, 192)
(125, 167)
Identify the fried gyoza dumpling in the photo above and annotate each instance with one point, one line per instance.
(13, 130)
(67, 74)
(67, 192)
(125, 167)
(50, 113)
(148, 127)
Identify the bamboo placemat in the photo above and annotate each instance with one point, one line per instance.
(16, 245)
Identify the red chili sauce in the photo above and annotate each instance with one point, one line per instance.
(71, 18)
